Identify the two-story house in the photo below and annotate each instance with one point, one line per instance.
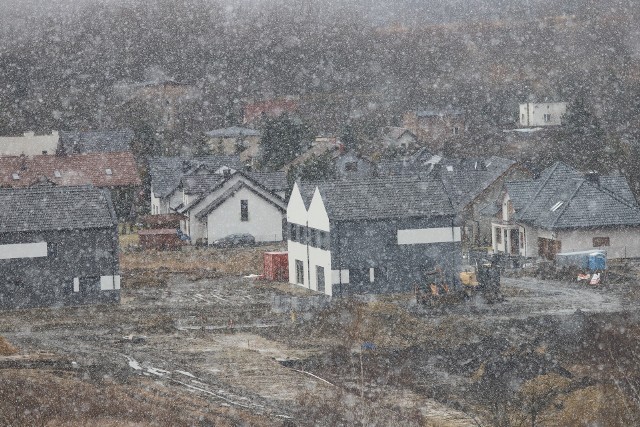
(58, 246)
(239, 203)
(371, 236)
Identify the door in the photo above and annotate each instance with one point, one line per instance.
(320, 278)
(548, 248)
(299, 272)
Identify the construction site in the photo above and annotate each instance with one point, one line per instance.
(195, 342)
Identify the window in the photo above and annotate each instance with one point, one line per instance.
(523, 118)
(320, 278)
(299, 272)
(313, 237)
(498, 236)
(456, 130)
(522, 240)
(351, 166)
(546, 118)
(600, 242)
(57, 174)
(15, 176)
(293, 235)
(244, 210)
(108, 171)
(324, 240)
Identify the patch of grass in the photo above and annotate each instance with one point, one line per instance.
(6, 349)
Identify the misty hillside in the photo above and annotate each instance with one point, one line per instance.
(60, 65)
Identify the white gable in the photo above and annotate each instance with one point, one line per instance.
(296, 211)
(317, 215)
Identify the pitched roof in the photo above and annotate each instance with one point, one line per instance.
(232, 132)
(98, 169)
(563, 198)
(167, 172)
(198, 184)
(277, 202)
(100, 141)
(55, 208)
(465, 182)
(273, 181)
(381, 198)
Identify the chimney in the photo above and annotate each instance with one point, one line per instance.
(592, 177)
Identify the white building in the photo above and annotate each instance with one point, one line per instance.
(542, 114)
(236, 204)
(29, 144)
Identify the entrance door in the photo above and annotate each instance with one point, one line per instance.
(514, 244)
(548, 248)
(320, 278)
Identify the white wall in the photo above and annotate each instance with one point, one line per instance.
(23, 250)
(296, 210)
(429, 235)
(297, 251)
(29, 144)
(532, 114)
(322, 258)
(317, 216)
(265, 219)
(624, 243)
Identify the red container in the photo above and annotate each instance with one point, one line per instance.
(160, 239)
(276, 266)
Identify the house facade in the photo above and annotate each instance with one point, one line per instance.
(237, 204)
(58, 246)
(370, 236)
(29, 144)
(566, 211)
(233, 140)
(534, 114)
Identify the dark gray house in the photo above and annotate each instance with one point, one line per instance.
(58, 246)
(371, 236)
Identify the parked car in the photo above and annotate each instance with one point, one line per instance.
(240, 239)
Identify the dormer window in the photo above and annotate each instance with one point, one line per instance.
(108, 171)
(57, 174)
(15, 176)
(556, 206)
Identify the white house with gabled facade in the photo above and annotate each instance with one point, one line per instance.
(236, 204)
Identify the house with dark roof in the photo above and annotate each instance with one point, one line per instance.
(58, 246)
(167, 175)
(114, 171)
(564, 210)
(97, 141)
(474, 186)
(371, 236)
(239, 203)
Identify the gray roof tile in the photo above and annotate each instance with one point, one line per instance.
(562, 198)
(55, 208)
(380, 198)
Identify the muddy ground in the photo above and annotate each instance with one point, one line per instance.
(214, 348)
